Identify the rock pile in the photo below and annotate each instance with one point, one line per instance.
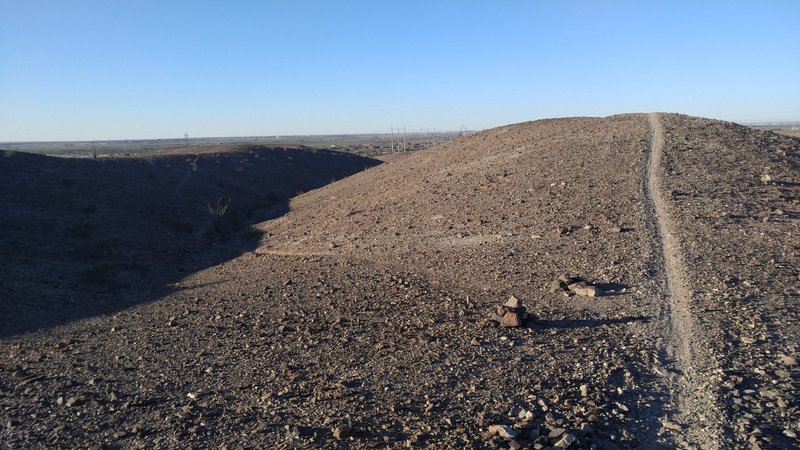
(529, 431)
(569, 285)
(510, 314)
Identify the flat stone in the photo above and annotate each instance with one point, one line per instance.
(556, 432)
(503, 431)
(565, 442)
(670, 425)
(584, 289)
(788, 361)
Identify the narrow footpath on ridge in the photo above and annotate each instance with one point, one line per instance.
(694, 409)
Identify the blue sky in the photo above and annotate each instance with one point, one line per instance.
(79, 69)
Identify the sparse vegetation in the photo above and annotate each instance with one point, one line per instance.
(221, 218)
(220, 208)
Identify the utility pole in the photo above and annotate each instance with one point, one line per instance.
(391, 131)
(404, 138)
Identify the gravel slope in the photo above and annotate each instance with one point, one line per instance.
(360, 320)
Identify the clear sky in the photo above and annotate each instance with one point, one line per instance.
(118, 69)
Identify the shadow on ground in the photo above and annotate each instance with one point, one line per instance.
(588, 323)
(84, 237)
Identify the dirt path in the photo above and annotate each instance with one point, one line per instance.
(686, 363)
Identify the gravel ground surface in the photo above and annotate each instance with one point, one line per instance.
(363, 317)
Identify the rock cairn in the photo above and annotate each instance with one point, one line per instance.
(570, 285)
(510, 314)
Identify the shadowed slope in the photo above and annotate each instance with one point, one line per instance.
(83, 237)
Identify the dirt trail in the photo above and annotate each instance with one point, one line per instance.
(693, 404)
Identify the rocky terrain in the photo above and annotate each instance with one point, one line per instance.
(620, 282)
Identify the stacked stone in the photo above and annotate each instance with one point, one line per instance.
(511, 314)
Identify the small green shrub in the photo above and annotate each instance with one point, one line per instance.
(220, 208)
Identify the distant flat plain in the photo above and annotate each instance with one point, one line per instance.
(361, 144)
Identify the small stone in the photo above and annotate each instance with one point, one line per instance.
(565, 442)
(593, 418)
(747, 340)
(556, 432)
(73, 401)
(788, 361)
(342, 432)
(510, 319)
(615, 229)
(120, 434)
(60, 401)
(475, 342)
(584, 390)
(503, 431)
(670, 425)
(783, 374)
(790, 434)
(513, 303)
